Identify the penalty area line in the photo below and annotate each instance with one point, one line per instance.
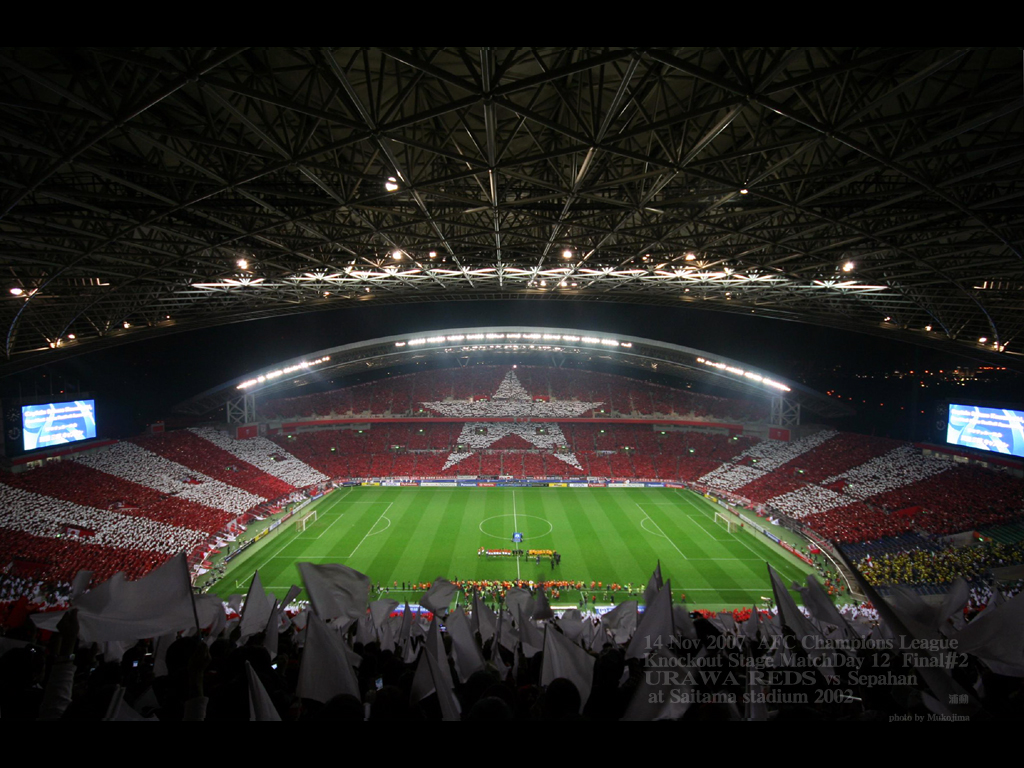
(648, 517)
(368, 532)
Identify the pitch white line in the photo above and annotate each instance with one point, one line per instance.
(368, 532)
(325, 530)
(710, 535)
(737, 538)
(648, 517)
(515, 527)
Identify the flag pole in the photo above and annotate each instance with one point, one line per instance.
(192, 596)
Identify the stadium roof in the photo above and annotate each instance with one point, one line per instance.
(551, 346)
(147, 191)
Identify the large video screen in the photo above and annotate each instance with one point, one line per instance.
(49, 424)
(1000, 430)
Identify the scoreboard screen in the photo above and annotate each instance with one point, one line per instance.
(49, 424)
(999, 430)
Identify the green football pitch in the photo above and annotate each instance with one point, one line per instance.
(414, 535)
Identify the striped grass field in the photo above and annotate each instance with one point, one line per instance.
(415, 535)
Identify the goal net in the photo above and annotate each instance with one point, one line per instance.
(726, 521)
(305, 522)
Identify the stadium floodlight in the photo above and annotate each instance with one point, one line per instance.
(848, 266)
(242, 264)
(391, 184)
(746, 374)
(927, 327)
(16, 291)
(983, 339)
(264, 377)
(566, 254)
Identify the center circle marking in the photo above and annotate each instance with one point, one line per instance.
(509, 537)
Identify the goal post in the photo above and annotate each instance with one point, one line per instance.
(729, 522)
(305, 522)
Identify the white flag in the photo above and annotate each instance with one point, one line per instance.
(467, 655)
(439, 596)
(336, 591)
(256, 611)
(656, 628)
(621, 621)
(563, 658)
(158, 603)
(261, 707)
(325, 671)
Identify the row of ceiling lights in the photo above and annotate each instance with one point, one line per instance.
(981, 339)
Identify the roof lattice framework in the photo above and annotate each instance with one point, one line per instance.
(149, 190)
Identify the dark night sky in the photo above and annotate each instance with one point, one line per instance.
(138, 383)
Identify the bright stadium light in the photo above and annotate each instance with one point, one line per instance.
(242, 264)
(848, 266)
(16, 291)
(263, 377)
(391, 184)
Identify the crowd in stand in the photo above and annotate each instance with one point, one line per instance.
(60, 559)
(407, 395)
(192, 451)
(159, 494)
(47, 517)
(127, 508)
(917, 566)
(137, 465)
(75, 482)
(982, 594)
(266, 456)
